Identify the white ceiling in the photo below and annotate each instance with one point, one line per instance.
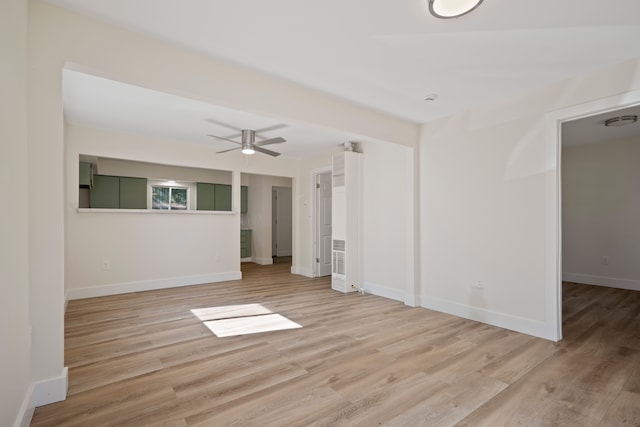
(107, 104)
(389, 55)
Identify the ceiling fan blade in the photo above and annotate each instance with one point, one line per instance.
(265, 151)
(277, 140)
(215, 122)
(257, 132)
(226, 139)
(230, 149)
(235, 135)
(270, 128)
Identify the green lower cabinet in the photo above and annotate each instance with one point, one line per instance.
(245, 243)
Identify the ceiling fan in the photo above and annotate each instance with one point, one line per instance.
(248, 143)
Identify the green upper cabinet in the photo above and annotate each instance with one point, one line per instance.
(218, 197)
(133, 193)
(86, 175)
(116, 192)
(205, 196)
(244, 199)
(105, 192)
(222, 197)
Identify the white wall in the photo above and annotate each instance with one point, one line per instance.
(601, 213)
(15, 339)
(488, 205)
(387, 232)
(46, 214)
(148, 250)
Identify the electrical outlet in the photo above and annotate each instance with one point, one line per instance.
(105, 265)
(604, 260)
(478, 285)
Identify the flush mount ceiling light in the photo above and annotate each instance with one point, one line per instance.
(431, 97)
(452, 8)
(621, 120)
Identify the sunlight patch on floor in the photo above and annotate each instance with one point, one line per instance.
(232, 320)
(229, 311)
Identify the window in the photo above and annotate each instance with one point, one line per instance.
(169, 198)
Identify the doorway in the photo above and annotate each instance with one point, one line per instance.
(554, 230)
(322, 223)
(281, 222)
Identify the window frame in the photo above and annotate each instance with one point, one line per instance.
(171, 185)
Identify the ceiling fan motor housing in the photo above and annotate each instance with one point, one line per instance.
(248, 138)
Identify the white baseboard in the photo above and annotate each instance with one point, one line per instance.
(248, 259)
(301, 271)
(411, 300)
(149, 285)
(611, 282)
(25, 413)
(383, 291)
(532, 327)
(284, 253)
(263, 261)
(51, 390)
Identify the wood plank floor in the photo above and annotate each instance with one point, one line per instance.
(144, 359)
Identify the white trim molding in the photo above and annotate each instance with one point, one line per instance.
(25, 413)
(263, 261)
(150, 285)
(301, 271)
(51, 390)
(384, 291)
(610, 282)
(523, 325)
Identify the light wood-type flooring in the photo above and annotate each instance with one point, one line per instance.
(144, 359)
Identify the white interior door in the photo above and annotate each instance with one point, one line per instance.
(323, 224)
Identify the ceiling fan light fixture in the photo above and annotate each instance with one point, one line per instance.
(621, 120)
(446, 9)
(247, 149)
